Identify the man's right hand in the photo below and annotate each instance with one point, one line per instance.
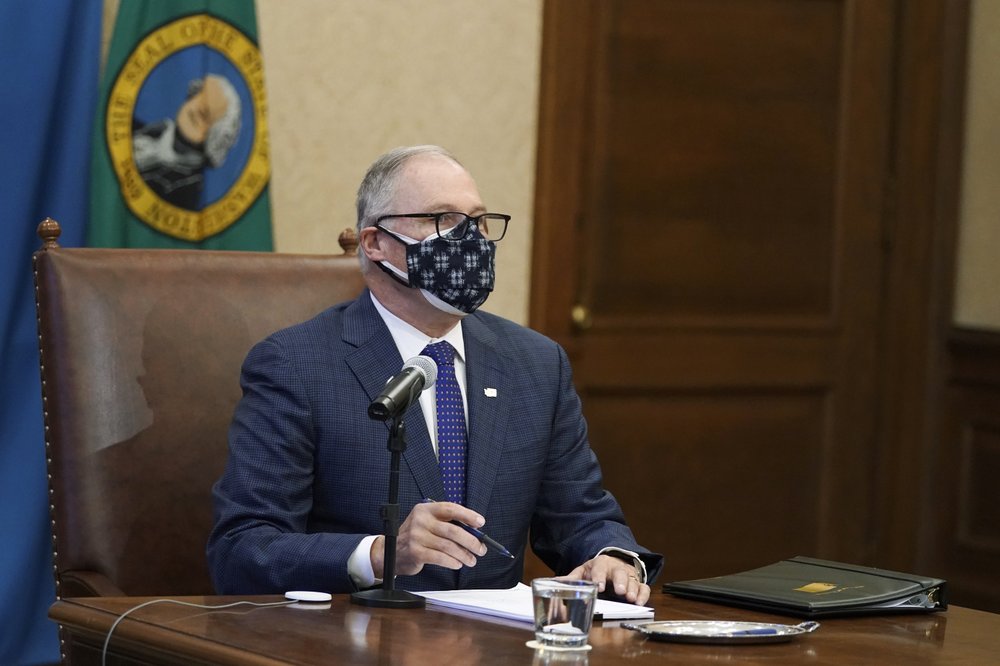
(428, 537)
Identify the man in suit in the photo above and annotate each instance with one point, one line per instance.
(298, 504)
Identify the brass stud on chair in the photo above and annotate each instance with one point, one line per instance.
(348, 240)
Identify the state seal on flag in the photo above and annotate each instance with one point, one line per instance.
(186, 127)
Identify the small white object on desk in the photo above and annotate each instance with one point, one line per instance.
(308, 596)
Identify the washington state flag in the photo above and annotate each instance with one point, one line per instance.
(180, 155)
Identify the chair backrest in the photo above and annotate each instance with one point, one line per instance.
(141, 353)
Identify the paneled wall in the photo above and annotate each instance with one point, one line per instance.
(965, 539)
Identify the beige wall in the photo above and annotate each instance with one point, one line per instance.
(977, 292)
(348, 80)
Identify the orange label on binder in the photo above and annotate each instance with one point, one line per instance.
(815, 588)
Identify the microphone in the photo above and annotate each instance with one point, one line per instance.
(402, 390)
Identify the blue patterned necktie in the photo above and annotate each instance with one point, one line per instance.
(451, 438)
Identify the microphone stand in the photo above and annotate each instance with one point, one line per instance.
(387, 596)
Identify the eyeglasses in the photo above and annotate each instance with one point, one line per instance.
(452, 226)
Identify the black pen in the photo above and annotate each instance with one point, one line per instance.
(482, 536)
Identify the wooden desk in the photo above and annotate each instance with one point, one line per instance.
(342, 633)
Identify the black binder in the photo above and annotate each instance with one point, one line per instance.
(807, 587)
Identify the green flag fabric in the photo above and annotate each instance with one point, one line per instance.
(180, 151)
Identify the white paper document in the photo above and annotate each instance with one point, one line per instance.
(515, 604)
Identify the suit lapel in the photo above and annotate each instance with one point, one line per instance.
(374, 360)
(489, 407)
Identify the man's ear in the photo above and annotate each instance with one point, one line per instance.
(370, 242)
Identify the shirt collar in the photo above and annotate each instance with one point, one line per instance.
(411, 341)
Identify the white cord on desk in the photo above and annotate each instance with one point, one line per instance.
(107, 641)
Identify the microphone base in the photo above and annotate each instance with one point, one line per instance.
(383, 598)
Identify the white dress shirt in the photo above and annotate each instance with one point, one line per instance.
(410, 342)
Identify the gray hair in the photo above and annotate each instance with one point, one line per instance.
(223, 132)
(379, 185)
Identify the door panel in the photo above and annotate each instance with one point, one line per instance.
(704, 459)
(716, 151)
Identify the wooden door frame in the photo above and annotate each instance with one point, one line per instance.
(921, 193)
(921, 227)
(558, 189)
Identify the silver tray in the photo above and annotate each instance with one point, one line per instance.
(721, 632)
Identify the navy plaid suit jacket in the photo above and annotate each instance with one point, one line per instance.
(308, 470)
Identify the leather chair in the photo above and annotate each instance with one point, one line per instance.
(140, 358)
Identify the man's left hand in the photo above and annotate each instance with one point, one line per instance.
(604, 569)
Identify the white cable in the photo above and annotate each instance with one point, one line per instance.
(107, 641)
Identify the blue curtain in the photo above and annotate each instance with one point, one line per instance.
(49, 60)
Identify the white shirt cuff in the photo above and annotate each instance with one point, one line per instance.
(636, 561)
(359, 564)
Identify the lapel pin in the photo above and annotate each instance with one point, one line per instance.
(490, 392)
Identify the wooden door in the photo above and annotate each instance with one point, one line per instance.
(709, 250)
